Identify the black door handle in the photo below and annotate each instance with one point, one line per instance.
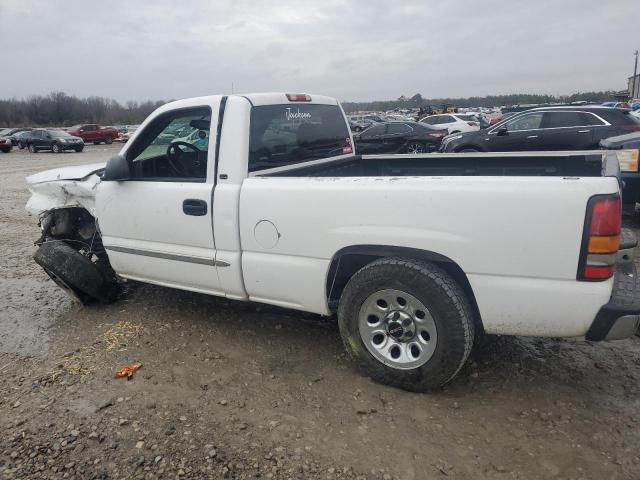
(195, 207)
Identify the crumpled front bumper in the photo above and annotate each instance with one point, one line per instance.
(620, 317)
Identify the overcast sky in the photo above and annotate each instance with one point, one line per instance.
(364, 50)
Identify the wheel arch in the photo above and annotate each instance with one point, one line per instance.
(347, 261)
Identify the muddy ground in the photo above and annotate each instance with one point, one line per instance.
(232, 390)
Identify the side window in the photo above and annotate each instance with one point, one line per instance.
(590, 119)
(173, 147)
(530, 121)
(286, 134)
(430, 120)
(562, 119)
(373, 131)
(398, 129)
(447, 119)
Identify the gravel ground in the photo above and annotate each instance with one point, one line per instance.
(232, 390)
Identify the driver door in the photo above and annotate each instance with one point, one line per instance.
(157, 226)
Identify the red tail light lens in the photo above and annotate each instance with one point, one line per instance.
(606, 217)
(298, 97)
(598, 273)
(631, 128)
(601, 238)
(439, 133)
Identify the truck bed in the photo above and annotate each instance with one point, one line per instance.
(554, 164)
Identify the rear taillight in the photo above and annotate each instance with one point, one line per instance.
(631, 128)
(601, 238)
(298, 97)
(439, 133)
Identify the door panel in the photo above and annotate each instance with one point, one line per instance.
(157, 227)
(149, 237)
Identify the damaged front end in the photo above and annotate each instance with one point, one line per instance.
(70, 247)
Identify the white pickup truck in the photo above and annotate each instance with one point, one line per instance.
(415, 253)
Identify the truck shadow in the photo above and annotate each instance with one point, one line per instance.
(497, 364)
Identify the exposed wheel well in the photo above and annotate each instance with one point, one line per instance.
(349, 260)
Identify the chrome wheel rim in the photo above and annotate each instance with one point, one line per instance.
(415, 148)
(397, 329)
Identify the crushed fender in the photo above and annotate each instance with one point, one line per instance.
(128, 371)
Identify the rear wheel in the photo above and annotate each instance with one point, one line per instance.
(75, 273)
(406, 323)
(415, 148)
(32, 148)
(21, 145)
(108, 141)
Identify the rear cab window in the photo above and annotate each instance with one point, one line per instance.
(287, 134)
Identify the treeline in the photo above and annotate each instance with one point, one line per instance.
(60, 109)
(418, 100)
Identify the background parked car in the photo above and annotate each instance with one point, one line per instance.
(94, 133)
(11, 132)
(125, 132)
(629, 171)
(547, 128)
(55, 140)
(5, 144)
(453, 123)
(359, 126)
(398, 137)
(21, 138)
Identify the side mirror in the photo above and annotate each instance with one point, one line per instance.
(502, 131)
(117, 169)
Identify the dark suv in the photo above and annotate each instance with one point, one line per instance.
(548, 128)
(55, 140)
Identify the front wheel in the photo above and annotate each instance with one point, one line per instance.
(79, 149)
(75, 273)
(32, 148)
(406, 323)
(108, 141)
(56, 148)
(468, 150)
(21, 145)
(415, 148)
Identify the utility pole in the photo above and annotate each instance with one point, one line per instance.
(635, 75)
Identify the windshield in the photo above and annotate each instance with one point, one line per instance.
(58, 133)
(293, 133)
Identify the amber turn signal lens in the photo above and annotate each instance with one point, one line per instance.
(609, 244)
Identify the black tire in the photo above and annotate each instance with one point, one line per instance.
(75, 273)
(79, 149)
(108, 141)
(57, 148)
(96, 143)
(32, 148)
(21, 145)
(468, 150)
(446, 303)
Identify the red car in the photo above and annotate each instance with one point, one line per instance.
(5, 144)
(94, 133)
